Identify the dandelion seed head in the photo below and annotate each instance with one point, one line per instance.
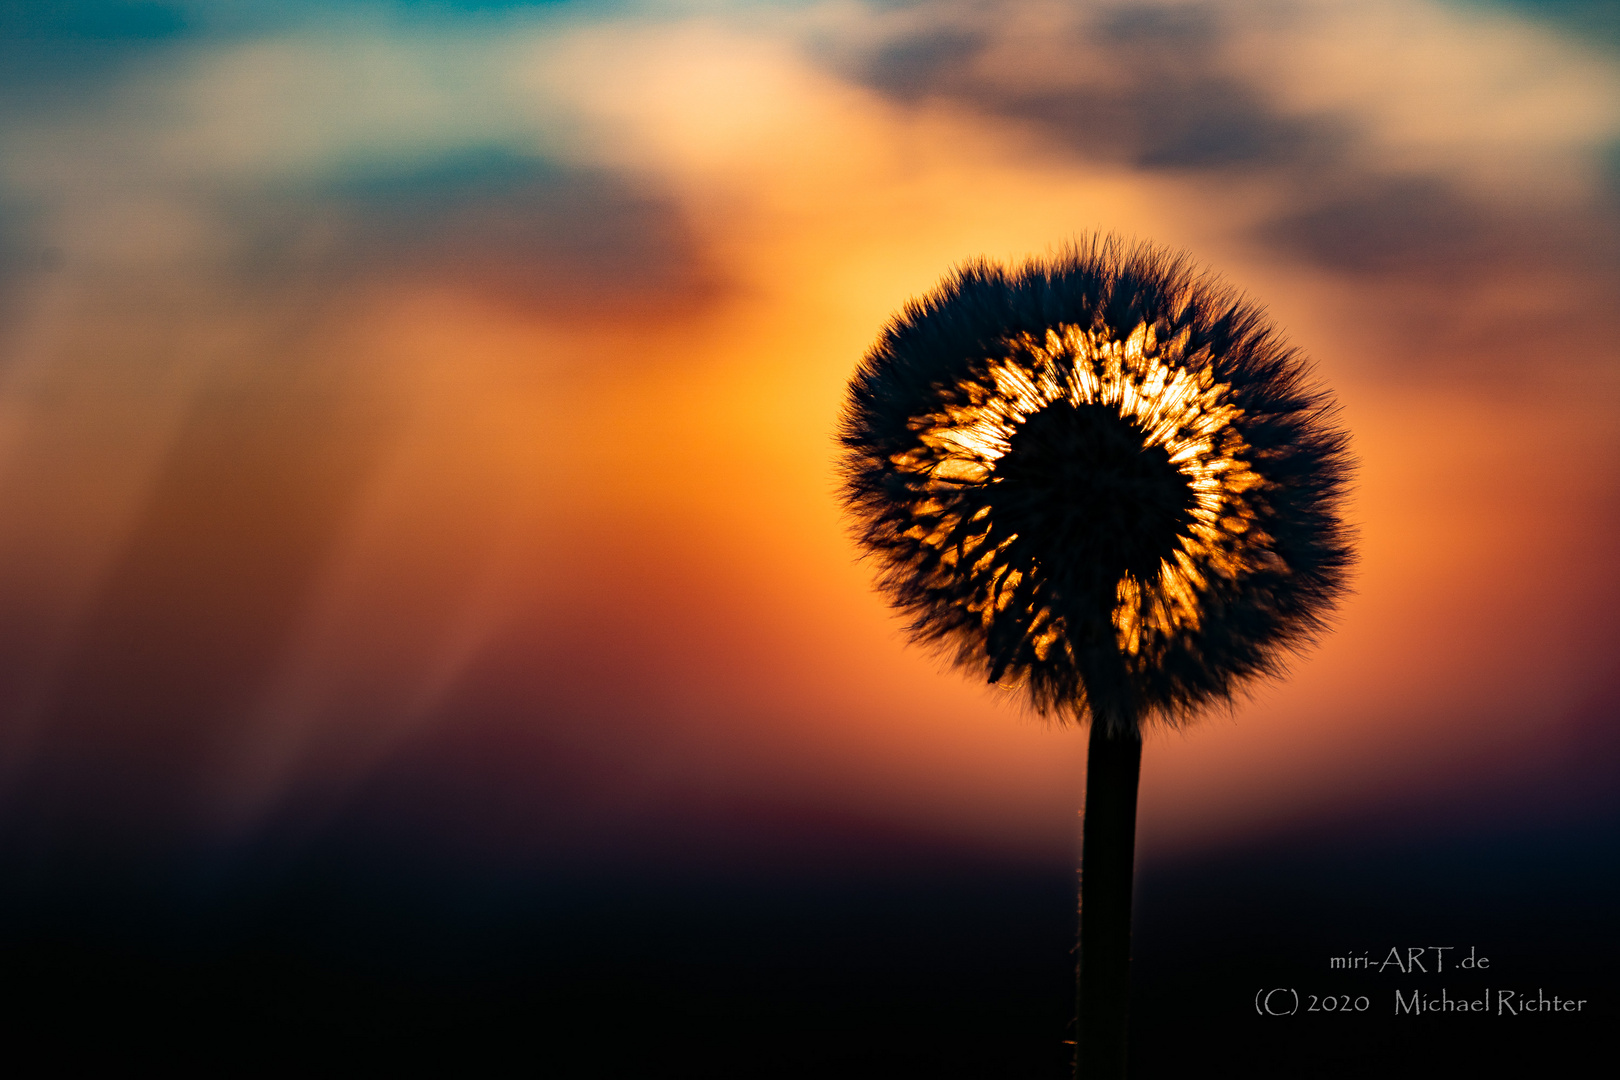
(1101, 479)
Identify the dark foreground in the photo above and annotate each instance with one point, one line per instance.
(903, 964)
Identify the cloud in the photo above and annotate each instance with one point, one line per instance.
(559, 242)
(1143, 84)
(1388, 135)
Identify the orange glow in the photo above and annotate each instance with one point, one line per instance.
(378, 482)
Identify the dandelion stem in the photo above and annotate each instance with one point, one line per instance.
(1107, 862)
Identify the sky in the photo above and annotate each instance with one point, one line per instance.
(422, 414)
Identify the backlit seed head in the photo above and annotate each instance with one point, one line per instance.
(1101, 478)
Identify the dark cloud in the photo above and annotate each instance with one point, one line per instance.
(1182, 120)
(1593, 21)
(924, 65)
(96, 20)
(1389, 226)
(1166, 104)
(551, 240)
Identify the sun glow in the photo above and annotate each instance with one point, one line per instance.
(1170, 395)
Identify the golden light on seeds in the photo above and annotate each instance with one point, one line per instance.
(1172, 397)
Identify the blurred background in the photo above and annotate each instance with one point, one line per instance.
(426, 619)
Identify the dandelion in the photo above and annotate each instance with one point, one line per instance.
(1104, 482)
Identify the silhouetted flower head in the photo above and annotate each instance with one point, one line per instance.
(1101, 478)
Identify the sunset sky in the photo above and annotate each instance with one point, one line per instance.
(421, 414)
